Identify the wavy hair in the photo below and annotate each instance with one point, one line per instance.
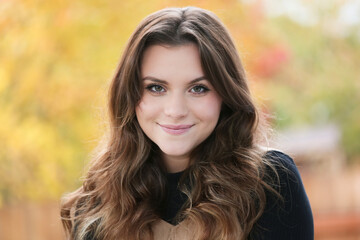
(126, 184)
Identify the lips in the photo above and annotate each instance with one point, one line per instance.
(176, 129)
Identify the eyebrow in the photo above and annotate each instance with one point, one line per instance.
(154, 79)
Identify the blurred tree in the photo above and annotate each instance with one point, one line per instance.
(55, 60)
(320, 82)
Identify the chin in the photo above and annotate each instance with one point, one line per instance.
(175, 152)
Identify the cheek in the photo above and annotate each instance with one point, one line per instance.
(147, 109)
(208, 109)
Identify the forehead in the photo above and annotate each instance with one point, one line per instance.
(164, 62)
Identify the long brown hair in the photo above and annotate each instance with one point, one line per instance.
(125, 184)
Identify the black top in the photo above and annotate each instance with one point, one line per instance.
(290, 220)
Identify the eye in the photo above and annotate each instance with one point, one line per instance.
(155, 88)
(198, 89)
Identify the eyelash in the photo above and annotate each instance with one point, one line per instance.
(205, 89)
(151, 86)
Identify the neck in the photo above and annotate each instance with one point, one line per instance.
(175, 164)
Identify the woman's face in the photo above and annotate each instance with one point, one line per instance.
(179, 107)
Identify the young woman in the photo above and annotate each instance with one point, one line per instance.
(182, 158)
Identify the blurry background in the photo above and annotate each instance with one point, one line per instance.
(57, 57)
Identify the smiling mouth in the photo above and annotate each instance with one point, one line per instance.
(175, 129)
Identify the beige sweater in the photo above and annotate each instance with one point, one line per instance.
(165, 231)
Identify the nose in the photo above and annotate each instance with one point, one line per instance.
(176, 106)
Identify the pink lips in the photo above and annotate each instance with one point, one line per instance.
(175, 129)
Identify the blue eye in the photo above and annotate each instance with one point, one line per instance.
(198, 89)
(155, 88)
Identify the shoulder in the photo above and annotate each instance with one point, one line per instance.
(290, 216)
(283, 165)
(277, 157)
